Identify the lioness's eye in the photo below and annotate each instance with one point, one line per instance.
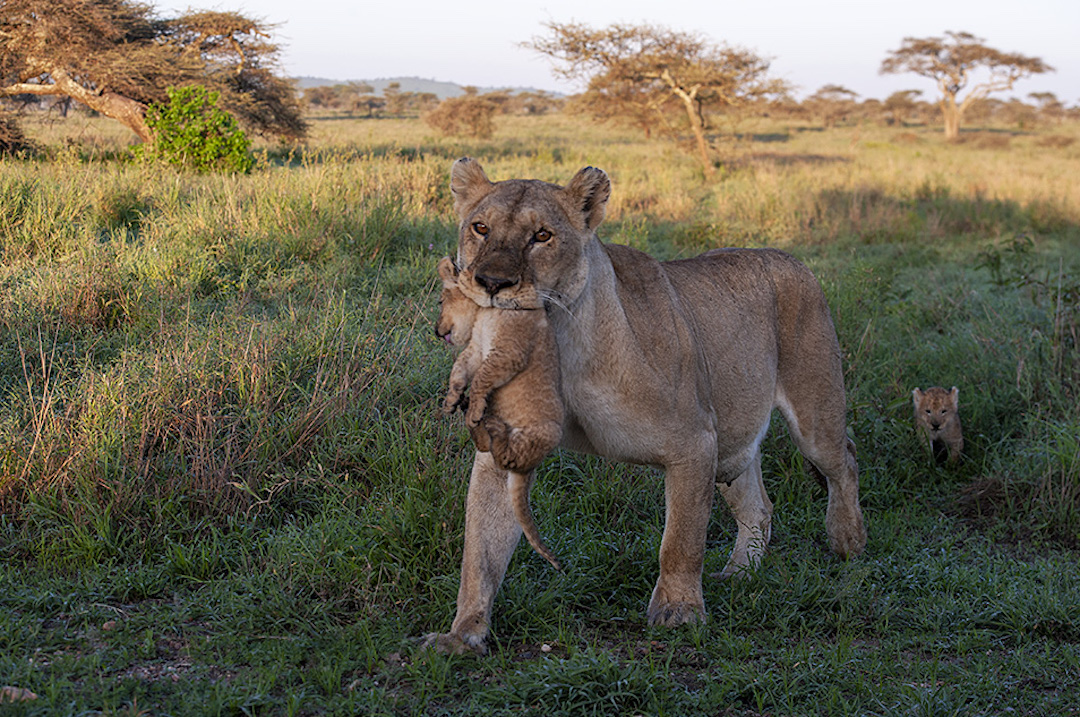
(480, 228)
(542, 236)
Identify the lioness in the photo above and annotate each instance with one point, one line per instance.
(509, 357)
(937, 419)
(676, 364)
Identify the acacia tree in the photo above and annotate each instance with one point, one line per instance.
(638, 73)
(831, 103)
(951, 63)
(900, 105)
(117, 57)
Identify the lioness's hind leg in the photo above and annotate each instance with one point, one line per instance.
(752, 509)
(819, 433)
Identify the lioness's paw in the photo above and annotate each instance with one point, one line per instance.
(451, 644)
(848, 543)
(675, 614)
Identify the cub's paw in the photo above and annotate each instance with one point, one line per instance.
(500, 443)
(453, 401)
(451, 644)
(474, 413)
(480, 437)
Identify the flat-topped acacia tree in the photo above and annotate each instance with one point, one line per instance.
(952, 62)
(649, 76)
(117, 57)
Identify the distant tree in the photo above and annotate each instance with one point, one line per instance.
(395, 99)
(321, 97)
(533, 103)
(951, 61)
(117, 57)
(899, 106)
(464, 116)
(1050, 107)
(639, 73)
(1018, 114)
(831, 103)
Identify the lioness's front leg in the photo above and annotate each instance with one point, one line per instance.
(688, 492)
(491, 534)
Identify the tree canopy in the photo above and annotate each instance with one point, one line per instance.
(640, 73)
(953, 62)
(117, 57)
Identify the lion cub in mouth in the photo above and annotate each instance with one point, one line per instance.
(937, 418)
(510, 365)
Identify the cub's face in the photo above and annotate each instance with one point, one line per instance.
(521, 242)
(457, 312)
(935, 407)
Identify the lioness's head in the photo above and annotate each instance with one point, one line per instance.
(520, 241)
(457, 312)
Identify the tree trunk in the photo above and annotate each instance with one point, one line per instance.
(122, 109)
(118, 107)
(951, 114)
(698, 129)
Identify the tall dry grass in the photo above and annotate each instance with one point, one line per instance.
(211, 337)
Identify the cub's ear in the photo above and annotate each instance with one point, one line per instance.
(916, 395)
(955, 394)
(588, 192)
(468, 184)
(447, 272)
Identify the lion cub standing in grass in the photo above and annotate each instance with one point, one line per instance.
(510, 358)
(937, 418)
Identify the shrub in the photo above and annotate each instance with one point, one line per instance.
(12, 139)
(468, 116)
(190, 130)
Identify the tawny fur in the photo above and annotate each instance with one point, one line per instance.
(507, 356)
(937, 419)
(675, 364)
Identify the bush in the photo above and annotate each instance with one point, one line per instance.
(190, 130)
(12, 139)
(468, 116)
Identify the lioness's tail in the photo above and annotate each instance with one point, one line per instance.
(518, 485)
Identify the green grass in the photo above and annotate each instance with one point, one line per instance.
(226, 488)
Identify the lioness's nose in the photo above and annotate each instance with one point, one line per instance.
(494, 284)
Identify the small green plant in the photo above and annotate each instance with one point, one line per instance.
(190, 130)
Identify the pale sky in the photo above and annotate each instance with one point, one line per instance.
(810, 42)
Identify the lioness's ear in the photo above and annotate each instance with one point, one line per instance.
(468, 184)
(447, 271)
(589, 192)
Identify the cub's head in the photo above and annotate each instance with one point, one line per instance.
(521, 242)
(457, 312)
(935, 407)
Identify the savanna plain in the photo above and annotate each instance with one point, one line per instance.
(226, 486)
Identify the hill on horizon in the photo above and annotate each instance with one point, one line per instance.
(440, 89)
